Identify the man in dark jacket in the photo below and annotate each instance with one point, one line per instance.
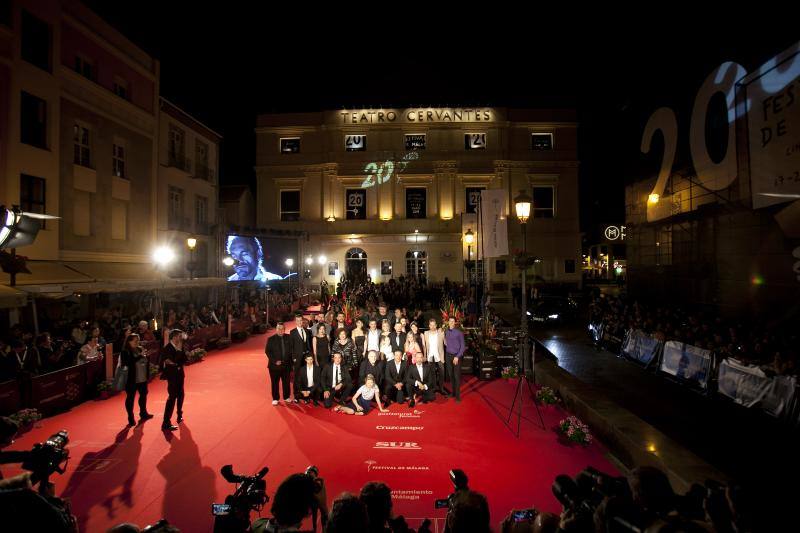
(279, 352)
(308, 381)
(172, 360)
(336, 381)
(420, 381)
(394, 380)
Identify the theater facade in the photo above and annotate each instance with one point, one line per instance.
(392, 191)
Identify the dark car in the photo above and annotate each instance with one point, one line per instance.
(553, 310)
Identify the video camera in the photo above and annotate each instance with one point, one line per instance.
(250, 495)
(459, 480)
(43, 460)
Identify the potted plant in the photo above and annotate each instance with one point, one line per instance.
(546, 396)
(105, 388)
(196, 355)
(573, 430)
(509, 373)
(25, 418)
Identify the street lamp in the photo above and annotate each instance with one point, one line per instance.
(228, 261)
(522, 206)
(191, 242)
(469, 238)
(163, 255)
(289, 262)
(322, 260)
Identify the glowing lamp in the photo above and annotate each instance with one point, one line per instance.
(469, 237)
(289, 262)
(228, 261)
(191, 242)
(653, 198)
(163, 255)
(522, 206)
(322, 260)
(309, 260)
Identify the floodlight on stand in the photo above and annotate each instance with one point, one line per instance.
(18, 228)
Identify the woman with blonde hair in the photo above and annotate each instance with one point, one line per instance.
(361, 403)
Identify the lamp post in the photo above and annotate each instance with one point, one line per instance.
(469, 238)
(522, 207)
(191, 242)
(289, 262)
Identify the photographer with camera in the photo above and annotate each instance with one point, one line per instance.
(296, 498)
(34, 510)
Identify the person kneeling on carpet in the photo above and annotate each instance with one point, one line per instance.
(362, 399)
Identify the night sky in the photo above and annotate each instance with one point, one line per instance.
(224, 65)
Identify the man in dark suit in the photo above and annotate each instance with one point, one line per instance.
(300, 341)
(394, 386)
(308, 381)
(420, 380)
(172, 360)
(279, 352)
(398, 338)
(336, 382)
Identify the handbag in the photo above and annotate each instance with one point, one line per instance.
(120, 376)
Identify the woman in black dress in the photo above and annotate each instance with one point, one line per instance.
(345, 346)
(321, 345)
(359, 337)
(133, 357)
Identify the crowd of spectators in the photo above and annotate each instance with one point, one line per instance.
(754, 342)
(67, 342)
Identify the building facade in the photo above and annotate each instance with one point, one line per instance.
(187, 195)
(392, 191)
(238, 206)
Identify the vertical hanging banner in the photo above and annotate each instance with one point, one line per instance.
(493, 220)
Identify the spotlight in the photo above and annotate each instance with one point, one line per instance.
(322, 260)
(228, 261)
(19, 229)
(163, 255)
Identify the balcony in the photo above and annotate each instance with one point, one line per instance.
(180, 161)
(202, 172)
(179, 224)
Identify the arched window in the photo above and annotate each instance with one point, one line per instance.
(356, 265)
(355, 253)
(417, 264)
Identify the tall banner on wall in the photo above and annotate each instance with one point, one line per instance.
(493, 222)
(773, 124)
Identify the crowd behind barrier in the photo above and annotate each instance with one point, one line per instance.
(55, 372)
(754, 366)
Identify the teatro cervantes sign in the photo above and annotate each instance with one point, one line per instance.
(416, 115)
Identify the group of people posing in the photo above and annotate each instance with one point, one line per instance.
(392, 360)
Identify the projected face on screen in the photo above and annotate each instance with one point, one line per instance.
(248, 256)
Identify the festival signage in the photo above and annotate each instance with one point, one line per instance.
(493, 222)
(416, 202)
(416, 116)
(750, 387)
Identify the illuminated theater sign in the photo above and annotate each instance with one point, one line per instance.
(417, 115)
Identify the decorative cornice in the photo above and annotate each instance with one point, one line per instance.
(445, 166)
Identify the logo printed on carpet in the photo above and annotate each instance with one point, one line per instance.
(397, 446)
(373, 465)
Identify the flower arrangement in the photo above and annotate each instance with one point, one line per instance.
(509, 372)
(450, 310)
(546, 396)
(105, 386)
(196, 355)
(350, 311)
(25, 417)
(222, 343)
(575, 430)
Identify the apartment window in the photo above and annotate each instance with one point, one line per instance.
(35, 42)
(81, 148)
(176, 148)
(175, 213)
(201, 161)
(356, 200)
(355, 143)
(415, 141)
(33, 120)
(544, 202)
(118, 159)
(85, 67)
(201, 214)
(541, 141)
(32, 197)
(569, 266)
(5, 12)
(473, 199)
(121, 88)
(474, 141)
(500, 266)
(290, 145)
(416, 202)
(290, 205)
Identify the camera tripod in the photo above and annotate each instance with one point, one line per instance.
(523, 376)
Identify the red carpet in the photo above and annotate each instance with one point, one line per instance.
(139, 475)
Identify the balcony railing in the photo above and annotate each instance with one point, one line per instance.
(203, 172)
(180, 161)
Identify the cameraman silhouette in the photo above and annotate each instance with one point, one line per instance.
(32, 510)
(297, 496)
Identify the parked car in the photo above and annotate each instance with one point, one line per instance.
(553, 310)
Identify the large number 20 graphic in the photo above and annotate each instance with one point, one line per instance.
(713, 176)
